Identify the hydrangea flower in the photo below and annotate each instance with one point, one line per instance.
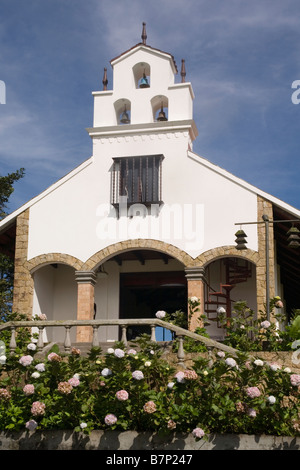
(64, 387)
(74, 381)
(252, 413)
(2, 359)
(119, 353)
(180, 377)
(198, 433)
(221, 354)
(38, 408)
(230, 362)
(4, 394)
(40, 367)
(138, 375)
(31, 425)
(190, 375)
(54, 357)
(171, 424)
(110, 351)
(26, 360)
(295, 379)
(271, 399)
(253, 392)
(259, 362)
(149, 407)
(28, 389)
(160, 314)
(31, 347)
(83, 425)
(265, 324)
(131, 351)
(110, 419)
(35, 375)
(105, 372)
(122, 395)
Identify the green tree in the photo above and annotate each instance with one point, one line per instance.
(6, 263)
(7, 188)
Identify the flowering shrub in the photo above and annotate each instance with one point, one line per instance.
(135, 389)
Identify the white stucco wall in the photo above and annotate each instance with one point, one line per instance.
(76, 218)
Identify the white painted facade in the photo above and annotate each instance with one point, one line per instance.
(201, 202)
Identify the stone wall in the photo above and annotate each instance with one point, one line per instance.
(144, 441)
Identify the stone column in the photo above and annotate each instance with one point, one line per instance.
(195, 283)
(264, 207)
(86, 281)
(23, 281)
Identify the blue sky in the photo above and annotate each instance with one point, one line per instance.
(241, 58)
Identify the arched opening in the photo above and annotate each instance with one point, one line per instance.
(141, 73)
(136, 284)
(123, 111)
(55, 295)
(228, 280)
(160, 105)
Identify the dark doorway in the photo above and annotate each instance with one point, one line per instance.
(143, 294)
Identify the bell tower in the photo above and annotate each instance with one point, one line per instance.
(144, 97)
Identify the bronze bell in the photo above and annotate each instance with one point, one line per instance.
(162, 115)
(144, 82)
(125, 118)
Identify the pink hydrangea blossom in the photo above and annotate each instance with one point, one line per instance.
(149, 407)
(4, 394)
(74, 381)
(190, 375)
(26, 360)
(180, 377)
(64, 387)
(110, 419)
(53, 357)
(122, 395)
(253, 392)
(38, 408)
(28, 389)
(295, 379)
(198, 433)
(171, 424)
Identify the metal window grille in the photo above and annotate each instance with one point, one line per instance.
(137, 178)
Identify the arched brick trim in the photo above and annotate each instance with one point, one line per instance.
(109, 252)
(42, 260)
(224, 251)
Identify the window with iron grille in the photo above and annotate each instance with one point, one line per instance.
(137, 178)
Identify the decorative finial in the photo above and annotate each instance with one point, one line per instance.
(183, 72)
(105, 81)
(144, 34)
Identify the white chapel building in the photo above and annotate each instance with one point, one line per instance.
(145, 222)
